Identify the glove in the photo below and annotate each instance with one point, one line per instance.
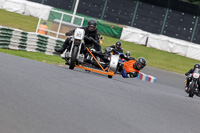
(115, 51)
(130, 75)
(91, 39)
(187, 73)
(68, 34)
(122, 55)
(86, 38)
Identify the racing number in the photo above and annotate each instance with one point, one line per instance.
(78, 35)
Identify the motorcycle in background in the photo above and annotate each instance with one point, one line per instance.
(193, 88)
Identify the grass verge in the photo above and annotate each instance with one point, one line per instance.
(56, 60)
(15, 20)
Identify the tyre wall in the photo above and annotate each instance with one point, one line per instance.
(28, 41)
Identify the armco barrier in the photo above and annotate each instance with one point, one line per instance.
(161, 42)
(28, 41)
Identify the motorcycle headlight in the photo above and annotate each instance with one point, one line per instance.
(77, 41)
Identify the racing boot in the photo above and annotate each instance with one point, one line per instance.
(186, 86)
(60, 50)
(67, 62)
(66, 45)
(186, 89)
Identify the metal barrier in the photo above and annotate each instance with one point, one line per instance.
(59, 23)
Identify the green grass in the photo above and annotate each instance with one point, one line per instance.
(15, 20)
(56, 60)
(155, 58)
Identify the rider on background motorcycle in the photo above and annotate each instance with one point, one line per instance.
(127, 55)
(189, 78)
(114, 49)
(91, 37)
(117, 47)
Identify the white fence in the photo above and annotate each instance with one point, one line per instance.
(26, 7)
(164, 43)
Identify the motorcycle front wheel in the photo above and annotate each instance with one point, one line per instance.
(73, 57)
(191, 89)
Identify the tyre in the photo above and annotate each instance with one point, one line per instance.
(109, 76)
(73, 57)
(191, 94)
(191, 89)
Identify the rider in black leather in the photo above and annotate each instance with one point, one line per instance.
(128, 55)
(117, 47)
(91, 37)
(188, 79)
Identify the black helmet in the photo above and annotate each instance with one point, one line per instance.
(140, 63)
(118, 44)
(196, 65)
(128, 53)
(92, 25)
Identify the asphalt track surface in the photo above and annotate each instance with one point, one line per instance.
(41, 98)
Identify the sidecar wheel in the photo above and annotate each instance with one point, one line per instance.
(109, 76)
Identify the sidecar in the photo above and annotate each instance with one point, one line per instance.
(110, 70)
(76, 57)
